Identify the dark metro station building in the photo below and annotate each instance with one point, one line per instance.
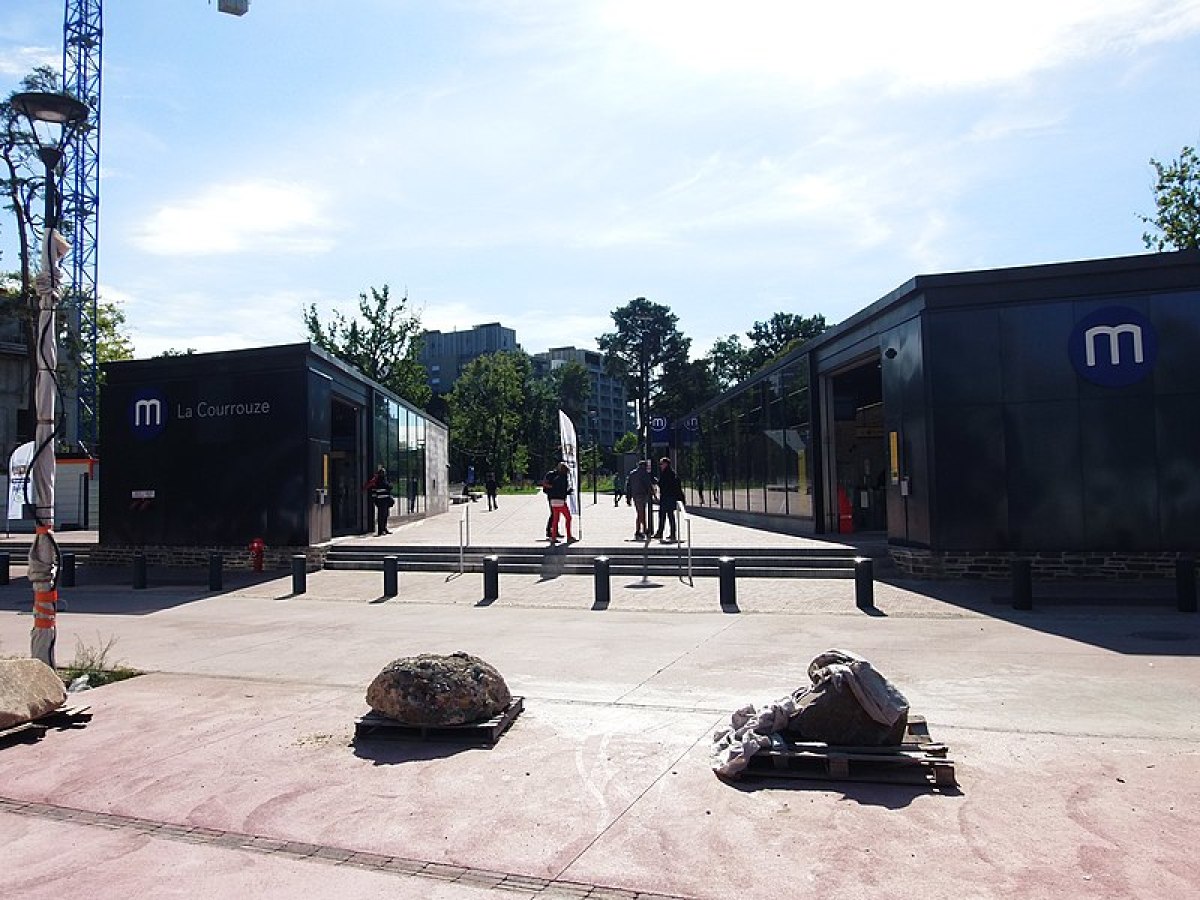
(1046, 412)
(217, 449)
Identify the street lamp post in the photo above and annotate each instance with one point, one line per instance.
(52, 118)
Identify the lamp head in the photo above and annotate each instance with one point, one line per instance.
(52, 117)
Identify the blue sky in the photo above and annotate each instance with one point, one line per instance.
(540, 162)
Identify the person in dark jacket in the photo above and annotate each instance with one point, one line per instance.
(380, 491)
(670, 495)
(639, 491)
(491, 487)
(558, 491)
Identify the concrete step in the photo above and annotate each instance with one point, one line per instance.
(656, 559)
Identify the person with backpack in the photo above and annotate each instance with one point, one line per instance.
(380, 491)
(558, 488)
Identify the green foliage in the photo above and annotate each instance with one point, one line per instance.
(112, 341)
(94, 661)
(646, 340)
(383, 342)
(732, 362)
(486, 413)
(626, 443)
(685, 385)
(1177, 204)
(572, 385)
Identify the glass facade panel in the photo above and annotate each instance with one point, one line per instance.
(754, 447)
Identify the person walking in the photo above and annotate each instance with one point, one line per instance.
(489, 485)
(639, 487)
(547, 483)
(670, 495)
(380, 490)
(700, 487)
(560, 489)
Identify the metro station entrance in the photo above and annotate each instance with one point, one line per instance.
(347, 501)
(855, 449)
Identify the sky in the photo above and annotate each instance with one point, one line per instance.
(540, 163)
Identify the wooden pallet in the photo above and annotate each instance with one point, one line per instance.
(917, 760)
(375, 725)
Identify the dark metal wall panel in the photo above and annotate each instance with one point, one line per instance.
(971, 505)
(1177, 424)
(966, 365)
(902, 362)
(1034, 365)
(1177, 319)
(215, 460)
(1120, 477)
(1045, 475)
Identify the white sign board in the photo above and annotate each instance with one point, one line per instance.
(18, 477)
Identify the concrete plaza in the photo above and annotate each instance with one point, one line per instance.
(230, 767)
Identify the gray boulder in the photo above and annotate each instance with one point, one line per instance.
(29, 689)
(848, 704)
(439, 690)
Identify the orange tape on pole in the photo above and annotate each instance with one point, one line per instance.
(45, 604)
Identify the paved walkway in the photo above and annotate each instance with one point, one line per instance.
(230, 768)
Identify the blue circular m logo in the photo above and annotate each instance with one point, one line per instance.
(147, 413)
(1114, 347)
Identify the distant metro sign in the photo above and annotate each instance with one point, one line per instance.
(1113, 347)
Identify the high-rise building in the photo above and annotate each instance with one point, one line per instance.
(445, 353)
(609, 416)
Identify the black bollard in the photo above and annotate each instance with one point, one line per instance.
(864, 583)
(5, 564)
(139, 571)
(727, 575)
(391, 576)
(216, 571)
(1185, 583)
(1022, 584)
(67, 576)
(600, 575)
(491, 578)
(299, 573)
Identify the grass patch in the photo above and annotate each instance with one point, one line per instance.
(97, 663)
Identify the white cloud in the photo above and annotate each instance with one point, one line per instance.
(242, 217)
(917, 45)
(17, 62)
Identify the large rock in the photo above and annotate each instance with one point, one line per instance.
(29, 689)
(438, 690)
(849, 704)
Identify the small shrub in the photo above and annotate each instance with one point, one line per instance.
(95, 662)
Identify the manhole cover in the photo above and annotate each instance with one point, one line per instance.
(1163, 635)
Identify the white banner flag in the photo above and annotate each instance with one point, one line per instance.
(570, 455)
(18, 478)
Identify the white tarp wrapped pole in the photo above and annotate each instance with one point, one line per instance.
(43, 555)
(570, 455)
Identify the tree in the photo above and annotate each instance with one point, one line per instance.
(486, 406)
(729, 361)
(383, 342)
(22, 181)
(1177, 201)
(572, 385)
(112, 341)
(778, 335)
(685, 385)
(646, 339)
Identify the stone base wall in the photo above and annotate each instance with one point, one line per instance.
(275, 559)
(1105, 566)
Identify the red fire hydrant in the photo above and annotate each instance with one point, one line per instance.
(257, 547)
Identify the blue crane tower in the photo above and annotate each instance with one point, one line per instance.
(83, 31)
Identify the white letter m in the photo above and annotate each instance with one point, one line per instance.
(1113, 333)
(148, 410)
